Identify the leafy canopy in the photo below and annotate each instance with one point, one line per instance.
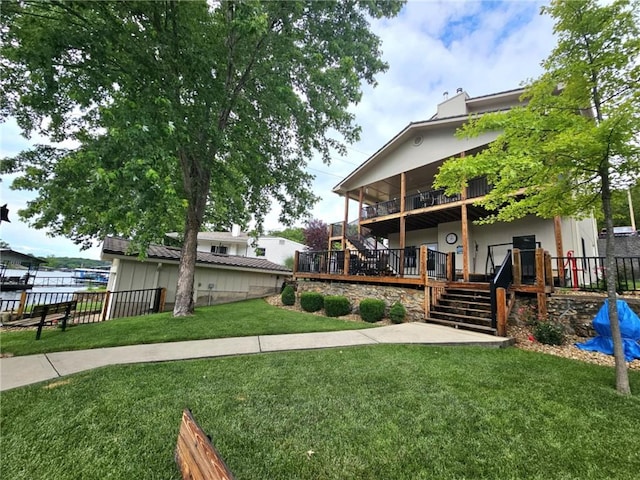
(184, 114)
(579, 126)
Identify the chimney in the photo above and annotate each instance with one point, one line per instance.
(235, 230)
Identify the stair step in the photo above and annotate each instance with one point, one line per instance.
(469, 293)
(480, 305)
(462, 325)
(454, 317)
(465, 298)
(463, 310)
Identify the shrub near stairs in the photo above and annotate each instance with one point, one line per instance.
(372, 310)
(397, 313)
(336, 306)
(288, 295)
(311, 301)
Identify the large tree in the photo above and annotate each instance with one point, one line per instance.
(562, 153)
(186, 113)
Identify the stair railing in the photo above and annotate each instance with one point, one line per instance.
(502, 279)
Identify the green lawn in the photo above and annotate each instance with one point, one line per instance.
(376, 412)
(251, 317)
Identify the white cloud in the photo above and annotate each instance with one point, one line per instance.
(431, 47)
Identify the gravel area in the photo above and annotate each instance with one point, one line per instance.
(523, 337)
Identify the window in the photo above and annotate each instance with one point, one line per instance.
(221, 249)
(260, 252)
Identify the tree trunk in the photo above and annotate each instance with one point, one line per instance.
(622, 376)
(184, 305)
(197, 181)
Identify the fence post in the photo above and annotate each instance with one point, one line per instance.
(501, 311)
(347, 259)
(517, 268)
(451, 267)
(539, 267)
(547, 270)
(105, 306)
(163, 297)
(23, 303)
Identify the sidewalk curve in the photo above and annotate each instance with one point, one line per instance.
(20, 371)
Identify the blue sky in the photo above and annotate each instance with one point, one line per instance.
(431, 47)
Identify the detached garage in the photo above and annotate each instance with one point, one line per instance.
(218, 278)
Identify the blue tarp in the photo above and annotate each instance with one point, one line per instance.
(629, 328)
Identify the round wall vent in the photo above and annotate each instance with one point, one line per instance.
(417, 141)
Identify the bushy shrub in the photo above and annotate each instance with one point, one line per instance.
(336, 306)
(548, 333)
(397, 313)
(288, 295)
(372, 310)
(311, 301)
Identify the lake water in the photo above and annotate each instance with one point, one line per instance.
(44, 282)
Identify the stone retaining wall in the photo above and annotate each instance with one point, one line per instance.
(575, 312)
(412, 299)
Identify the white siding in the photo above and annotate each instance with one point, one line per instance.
(277, 249)
(227, 284)
(438, 144)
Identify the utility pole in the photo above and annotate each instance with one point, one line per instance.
(631, 214)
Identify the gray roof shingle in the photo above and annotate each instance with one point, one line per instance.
(120, 246)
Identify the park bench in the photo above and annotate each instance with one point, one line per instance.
(195, 455)
(53, 313)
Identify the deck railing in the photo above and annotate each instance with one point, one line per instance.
(589, 273)
(387, 262)
(478, 187)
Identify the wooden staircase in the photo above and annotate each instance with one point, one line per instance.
(465, 308)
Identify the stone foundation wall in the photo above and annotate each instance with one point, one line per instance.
(412, 299)
(574, 312)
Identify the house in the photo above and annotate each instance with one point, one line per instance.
(236, 242)
(218, 278)
(428, 235)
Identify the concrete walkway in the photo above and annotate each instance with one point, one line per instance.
(20, 371)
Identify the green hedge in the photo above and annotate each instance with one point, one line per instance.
(336, 306)
(311, 301)
(397, 313)
(372, 309)
(288, 295)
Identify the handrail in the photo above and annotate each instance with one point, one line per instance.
(502, 279)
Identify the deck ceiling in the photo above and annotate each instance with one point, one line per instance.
(384, 227)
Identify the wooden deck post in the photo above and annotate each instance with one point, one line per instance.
(540, 276)
(403, 220)
(540, 268)
(557, 231)
(296, 259)
(347, 261)
(360, 200)
(465, 236)
(517, 268)
(451, 267)
(346, 221)
(547, 270)
(423, 264)
(501, 314)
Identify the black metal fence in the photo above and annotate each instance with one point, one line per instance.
(132, 303)
(91, 306)
(589, 273)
